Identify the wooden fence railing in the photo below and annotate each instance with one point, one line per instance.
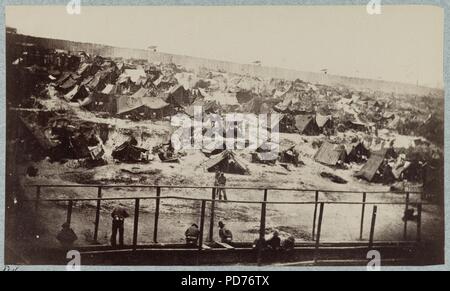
(319, 207)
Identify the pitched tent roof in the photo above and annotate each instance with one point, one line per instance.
(226, 162)
(369, 170)
(142, 92)
(78, 92)
(207, 106)
(322, 120)
(155, 103)
(306, 124)
(330, 154)
(135, 75)
(127, 104)
(223, 98)
(178, 95)
(110, 89)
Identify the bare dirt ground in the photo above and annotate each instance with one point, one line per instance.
(340, 222)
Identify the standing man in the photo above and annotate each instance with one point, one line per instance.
(222, 181)
(226, 236)
(216, 183)
(118, 215)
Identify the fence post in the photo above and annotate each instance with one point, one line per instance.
(136, 222)
(69, 212)
(211, 221)
(405, 228)
(319, 231)
(202, 226)
(155, 227)
(262, 228)
(419, 222)
(38, 197)
(363, 212)
(372, 226)
(97, 213)
(315, 215)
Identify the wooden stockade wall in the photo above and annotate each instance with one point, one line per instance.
(195, 63)
(319, 208)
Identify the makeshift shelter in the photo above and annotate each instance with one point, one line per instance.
(285, 122)
(290, 155)
(109, 89)
(356, 125)
(208, 107)
(227, 162)
(244, 96)
(126, 104)
(135, 74)
(356, 152)
(296, 100)
(257, 105)
(324, 122)
(375, 166)
(266, 153)
(330, 154)
(129, 152)
(306, 124)
(213, 147)
(79, 92)
(224, 98)
(178, 96)
(156, 108)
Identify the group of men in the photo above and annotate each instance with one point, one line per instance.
(192, 234)
(67, 236)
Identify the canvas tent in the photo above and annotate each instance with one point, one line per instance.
(208, 107)
(324, 122)
(356, 152)
(330, 154)
(179, 96)
(129, 152)
(227, 162)
(306, 124)
(79, 92)
(373, 166)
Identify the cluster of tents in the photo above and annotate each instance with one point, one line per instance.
(385, 165)
(48, 135)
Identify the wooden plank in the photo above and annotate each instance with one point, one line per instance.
(372, 226)
(69, 212)
(262, 228)
(405, 227)
(313, 235)
(38, 197)
(225, 245)
(319, 231)
(155, 227)
(419, 222)
(202, 226)
(211, 221)
(363, 212)
(97, 213)
(136, 222)
(205, 247)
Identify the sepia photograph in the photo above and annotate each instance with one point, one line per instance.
(259, 136)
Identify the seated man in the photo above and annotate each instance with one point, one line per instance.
(192, 234)
(226, 236)
(288, 244)
(257, 244)
(66, 236)
(275, 242)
